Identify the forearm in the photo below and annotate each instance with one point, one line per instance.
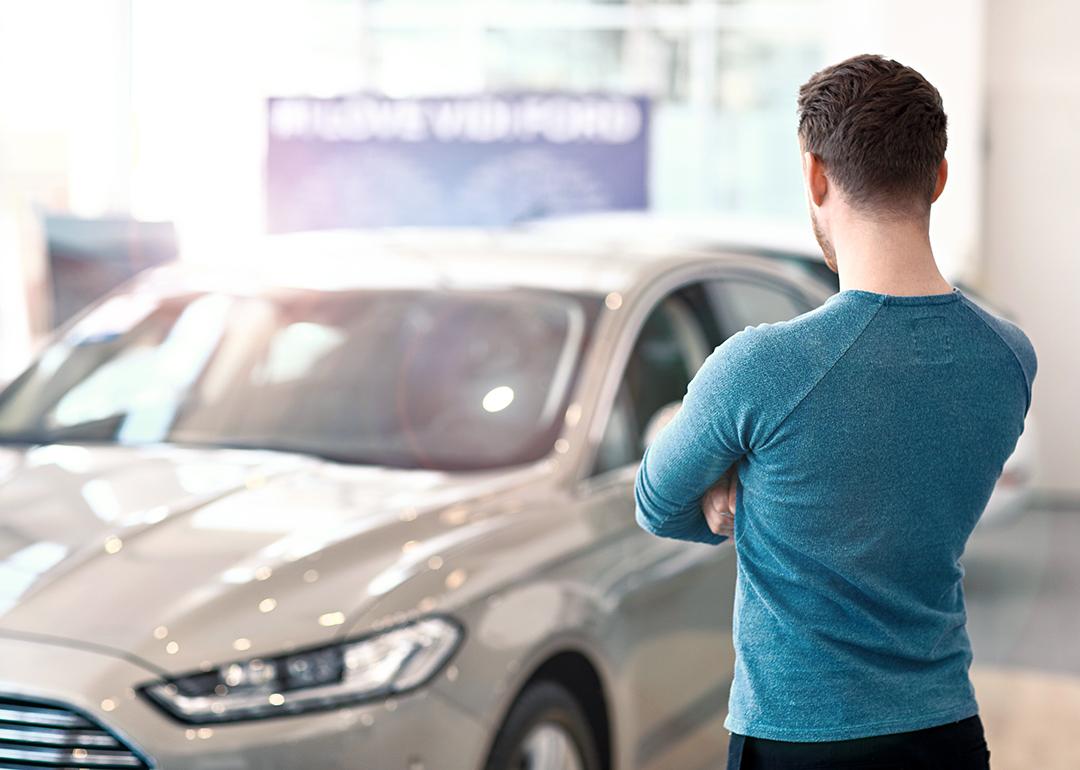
(657, 513)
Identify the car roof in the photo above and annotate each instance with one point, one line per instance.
(588, 255)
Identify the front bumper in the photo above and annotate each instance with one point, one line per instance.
(418, 731)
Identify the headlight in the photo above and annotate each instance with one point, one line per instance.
(386, 662)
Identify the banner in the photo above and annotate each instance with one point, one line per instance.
(373, 161)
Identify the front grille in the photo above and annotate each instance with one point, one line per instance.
(44, 735)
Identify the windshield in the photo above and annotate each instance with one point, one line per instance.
(447, 379)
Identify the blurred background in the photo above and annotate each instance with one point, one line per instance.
(137, 132)
(144, 116)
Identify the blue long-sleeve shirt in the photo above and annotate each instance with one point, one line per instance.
(868, 435)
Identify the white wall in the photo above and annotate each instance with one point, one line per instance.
(1032, 223)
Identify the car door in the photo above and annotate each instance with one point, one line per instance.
(674, 605)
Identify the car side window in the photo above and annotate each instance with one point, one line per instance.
(668, 351)
(618, 447)
(742, 302)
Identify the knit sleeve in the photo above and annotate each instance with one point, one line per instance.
(710, 432)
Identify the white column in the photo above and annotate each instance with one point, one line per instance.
(1032, 231)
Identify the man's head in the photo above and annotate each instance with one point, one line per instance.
(872, 134)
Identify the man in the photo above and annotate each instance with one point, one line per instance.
(856, 446)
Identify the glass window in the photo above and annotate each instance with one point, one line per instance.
(742, 303)
(670, 348)
(619, 445)
(450, 380)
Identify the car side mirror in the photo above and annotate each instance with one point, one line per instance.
(659, 421)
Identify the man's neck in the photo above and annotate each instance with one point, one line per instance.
(888, 258)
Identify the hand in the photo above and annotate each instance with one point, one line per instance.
(718, 504)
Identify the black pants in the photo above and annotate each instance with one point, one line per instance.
(954, 746)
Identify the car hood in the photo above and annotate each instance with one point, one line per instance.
(178, 556)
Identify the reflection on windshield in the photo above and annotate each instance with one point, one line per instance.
(433, 379)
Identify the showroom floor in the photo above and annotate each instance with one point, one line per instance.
(1021, 585)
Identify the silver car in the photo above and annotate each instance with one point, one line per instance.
(367, 503)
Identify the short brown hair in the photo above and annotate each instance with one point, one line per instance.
(879, 129)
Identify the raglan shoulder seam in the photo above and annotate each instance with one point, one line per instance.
(1015, 355)
(823, 374)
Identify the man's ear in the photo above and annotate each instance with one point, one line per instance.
(817, 184)
(942, 176)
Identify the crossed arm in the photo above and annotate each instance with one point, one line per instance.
(687, 483)
(717, 510)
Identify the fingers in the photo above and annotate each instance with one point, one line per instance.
(721, 524)
(719, 518)
(719, 502)
(722, 495)
(716, 499)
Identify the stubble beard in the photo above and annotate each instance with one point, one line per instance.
(827, 249)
